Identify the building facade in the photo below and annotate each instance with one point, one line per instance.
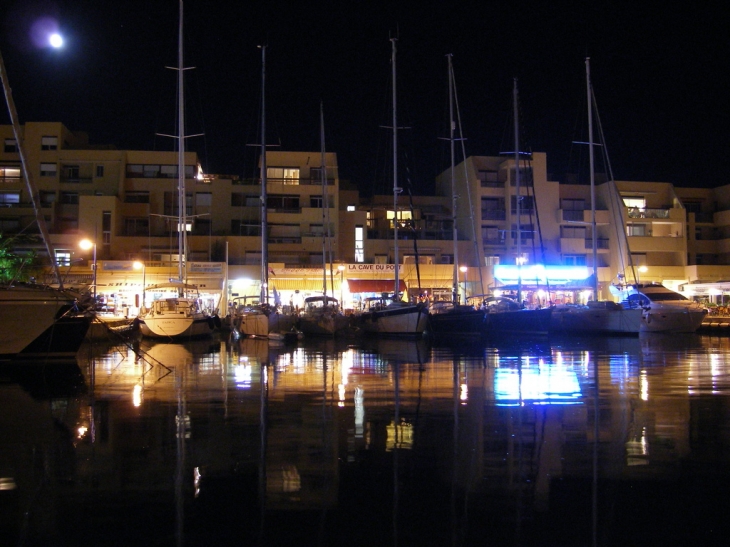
(323, 237)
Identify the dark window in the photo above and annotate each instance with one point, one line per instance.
(70, 198)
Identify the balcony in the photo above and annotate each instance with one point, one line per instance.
(657, 244)
(285, 239)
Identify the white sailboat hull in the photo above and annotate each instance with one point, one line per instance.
(27, 312)
(405, 320)
(170, 326)
(324, 324)
(260, 325)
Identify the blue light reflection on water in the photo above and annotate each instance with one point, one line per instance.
(389, 441)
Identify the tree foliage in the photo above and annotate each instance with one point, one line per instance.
(15, 267)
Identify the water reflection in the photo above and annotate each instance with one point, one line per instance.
(585, 441)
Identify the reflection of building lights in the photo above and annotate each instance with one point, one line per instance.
(196, 480)
(644, 386)
(463, 393)
(137, 395)
(7, 483)
(81, 431)
(637, 450)
(399, 436)
(183, 426)
(341, 393)
(242, 375)
(359, 411)
(284, 478)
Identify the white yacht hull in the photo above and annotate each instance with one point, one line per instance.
(679, 319)
(604, 321)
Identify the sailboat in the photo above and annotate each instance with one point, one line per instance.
(178, 314)
(322, 314)
(262, 319)
(596, 317)
(452, 318)
(393, 316)
(513, 318)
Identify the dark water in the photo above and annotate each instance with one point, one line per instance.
(329, 443)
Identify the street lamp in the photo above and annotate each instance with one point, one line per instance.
(341, 269)
(87, 244)
(463, 270)
(642, 270)
(137, 265)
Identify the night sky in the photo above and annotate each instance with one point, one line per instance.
(659, 77)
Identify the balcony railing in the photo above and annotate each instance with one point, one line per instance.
(601, 243)
(289, 239)
(569, 214)
(636, 212)
(76, 180)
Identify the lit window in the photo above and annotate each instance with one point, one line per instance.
(359, 244)
(350, 208)
(9, 198)
(9, 174)
(63, 258)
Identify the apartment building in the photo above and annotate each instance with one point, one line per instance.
(644, 231)
(126, 202)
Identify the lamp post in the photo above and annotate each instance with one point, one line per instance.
(137, 265)
(87, 244)
(341, 269)
(463, 270)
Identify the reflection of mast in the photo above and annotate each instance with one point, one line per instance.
(396, 492)
(263, 399)
(181, 432)
(596, 432)
(455, 451)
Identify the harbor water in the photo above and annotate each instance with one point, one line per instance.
(557, 442)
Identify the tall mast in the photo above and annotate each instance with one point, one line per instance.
(325, 205)
(517, 192)
(264, 225)
(455, 292)
(593, 177)
(182, 224)
(396, 189)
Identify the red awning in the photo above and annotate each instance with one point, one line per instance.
(375, 285)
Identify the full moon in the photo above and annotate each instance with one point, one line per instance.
(55, 40)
